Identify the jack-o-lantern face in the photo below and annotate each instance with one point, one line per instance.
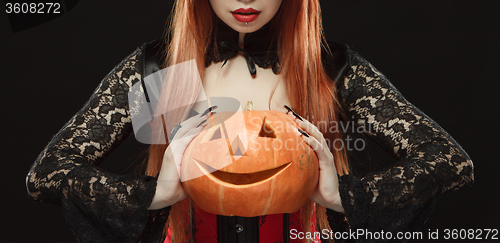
(255, 167)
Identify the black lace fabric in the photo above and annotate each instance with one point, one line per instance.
(105, 207)
(431, 163)
(99, 206)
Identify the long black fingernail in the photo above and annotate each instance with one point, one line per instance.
(211, 108)
(201, 123)
(293, 112)
(298, 117)
(303, 133)
(288, 108)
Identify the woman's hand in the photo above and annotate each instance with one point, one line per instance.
(327, 192)
(169, 189)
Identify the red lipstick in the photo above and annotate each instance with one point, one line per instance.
(245, 15)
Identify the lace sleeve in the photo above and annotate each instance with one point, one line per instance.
(99, 206)
(431, 163)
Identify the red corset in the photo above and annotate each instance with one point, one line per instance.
(270, 227)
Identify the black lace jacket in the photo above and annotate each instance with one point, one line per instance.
(105, 207)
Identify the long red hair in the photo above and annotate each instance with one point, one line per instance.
(191, 29)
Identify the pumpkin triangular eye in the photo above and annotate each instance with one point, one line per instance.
(267, 129)
(238, 153)
(237, 148)
(216, 135)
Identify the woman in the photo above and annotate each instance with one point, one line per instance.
(284, 41)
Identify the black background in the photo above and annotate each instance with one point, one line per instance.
(442, 55)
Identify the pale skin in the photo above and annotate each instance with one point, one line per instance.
(235, 81)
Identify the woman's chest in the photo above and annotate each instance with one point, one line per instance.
(233, 81)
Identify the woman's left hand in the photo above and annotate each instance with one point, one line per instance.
(327, 191)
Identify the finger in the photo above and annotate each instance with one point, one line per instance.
(312, 130)
(321, 149)
(195, 131)
(193, 122)
(184, 141)
(293, 113)
(174, 132)
(327, 165)
(311, 141)
(309, 127)
(290, 114)
(189, 136)
(201, 123)
(209, 109)
(179, 146)
(304, 124)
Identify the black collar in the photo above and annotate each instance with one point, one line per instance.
(260, 47)
(334, 62)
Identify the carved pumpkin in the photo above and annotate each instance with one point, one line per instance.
(249, 163)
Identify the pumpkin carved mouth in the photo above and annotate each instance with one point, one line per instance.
(241, 179)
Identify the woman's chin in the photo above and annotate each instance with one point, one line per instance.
(243, 27)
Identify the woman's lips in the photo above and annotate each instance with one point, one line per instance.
(245, 15)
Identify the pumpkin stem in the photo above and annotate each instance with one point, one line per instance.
(249, 106)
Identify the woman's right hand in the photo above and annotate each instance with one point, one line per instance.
(169, 189)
